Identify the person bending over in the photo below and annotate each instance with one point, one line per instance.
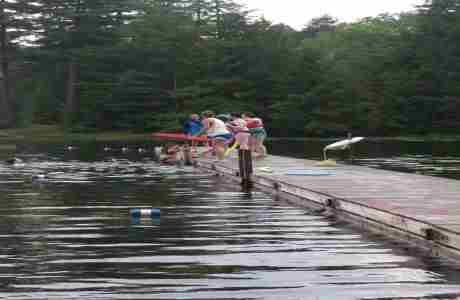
(217, 132)
(240, 131)
(258, 133)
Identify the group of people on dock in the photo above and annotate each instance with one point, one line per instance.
(228, 131)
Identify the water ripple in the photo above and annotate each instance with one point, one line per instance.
(72, 237)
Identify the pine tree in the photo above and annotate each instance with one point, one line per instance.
(438, 51)
(325, 23)
(16, 25)
(72, 27)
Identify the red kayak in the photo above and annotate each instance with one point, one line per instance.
(178, 137)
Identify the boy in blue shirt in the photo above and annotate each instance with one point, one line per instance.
(193, 127)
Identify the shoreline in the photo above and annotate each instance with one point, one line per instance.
(47, 133)
(51, 133)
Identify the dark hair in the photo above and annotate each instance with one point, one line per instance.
(235, 114)
(248, 114)
(208, 114)
(224, 117)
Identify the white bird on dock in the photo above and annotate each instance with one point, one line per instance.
(342, 145)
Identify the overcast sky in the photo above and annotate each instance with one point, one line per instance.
(297, 13)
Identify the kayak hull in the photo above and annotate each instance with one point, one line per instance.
(179, 137)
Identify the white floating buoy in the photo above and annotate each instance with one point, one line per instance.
(145, 212)
(39, 177)
(141, 150)
(106, 148)
(70, 148)
(124, 149)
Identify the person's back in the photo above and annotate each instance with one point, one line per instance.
(241, 131)
(216, 127)
(218, 133)
(193, 126)
(253, 123)
(238, 125)
(258, 133)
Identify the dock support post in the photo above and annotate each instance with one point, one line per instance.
(245, 168)
(350, 148)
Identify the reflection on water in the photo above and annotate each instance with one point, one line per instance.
(71, 236)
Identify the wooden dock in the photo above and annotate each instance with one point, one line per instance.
(419, 209)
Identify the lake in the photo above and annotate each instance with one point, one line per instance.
(71, 236)
(435, 158)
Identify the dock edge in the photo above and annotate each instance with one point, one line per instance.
(434, 240)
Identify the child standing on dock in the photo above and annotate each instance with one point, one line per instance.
(217, 131)
(193, 127)
(258, 133)
(240, 131)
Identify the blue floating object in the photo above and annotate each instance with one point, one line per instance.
(145, 212)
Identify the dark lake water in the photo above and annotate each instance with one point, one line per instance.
(435, 158)
(72, 236)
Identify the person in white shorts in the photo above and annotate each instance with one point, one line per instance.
(217, 132)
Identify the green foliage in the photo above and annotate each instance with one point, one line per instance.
(168, 122)
(290, 116)
(145, 65)
(35, 103)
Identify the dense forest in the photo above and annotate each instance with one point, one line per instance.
(144, 65)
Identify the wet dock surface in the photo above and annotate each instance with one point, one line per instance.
(424, 207)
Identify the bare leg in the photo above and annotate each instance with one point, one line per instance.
(220, 149)
(211, 148)
(242, 139)
(194, 144)
(252, 143)
(259, 147)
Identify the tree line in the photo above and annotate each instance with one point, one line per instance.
(144, 65)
